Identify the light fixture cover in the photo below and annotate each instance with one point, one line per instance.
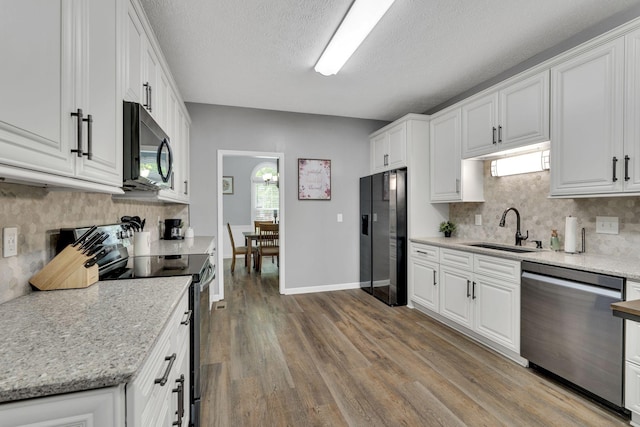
(356, 26)
(523, 163)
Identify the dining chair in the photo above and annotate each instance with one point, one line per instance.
(268, 243)
(239, 250)
(256, 225)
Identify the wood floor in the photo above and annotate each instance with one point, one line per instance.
(345, 359)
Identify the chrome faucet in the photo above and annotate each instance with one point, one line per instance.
(519, 237)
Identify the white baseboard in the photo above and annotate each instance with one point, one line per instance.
(322, 288)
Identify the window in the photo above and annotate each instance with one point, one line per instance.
(265, 194)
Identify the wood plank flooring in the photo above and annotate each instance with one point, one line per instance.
(345, 359)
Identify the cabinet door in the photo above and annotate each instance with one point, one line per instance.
(632, 387)
(380, 152)
(425, 283)
(455, 295)
(185, 159)
(479, 126)
(36, 82)
(632, 329)
(134, 45)
(631, 169)
(586, 135)
(497, 310)
(524, 112)
(98, 408)
(102, 97)
(398, 146)
(150, 78)
(445, 157)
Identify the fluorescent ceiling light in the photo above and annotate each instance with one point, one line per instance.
(355, 27)
(524, 163)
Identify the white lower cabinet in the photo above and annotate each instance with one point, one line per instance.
(423, 275)
(97, 408)
(479, 293)
(632, 358)
(158, 396)
(161, 387)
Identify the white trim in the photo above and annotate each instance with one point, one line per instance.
(322, 288)
(222, 228)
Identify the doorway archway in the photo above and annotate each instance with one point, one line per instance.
(221, 226)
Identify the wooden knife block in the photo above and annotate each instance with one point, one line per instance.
(66, 271)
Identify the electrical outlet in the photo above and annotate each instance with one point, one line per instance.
(607, 225)
(9, 241)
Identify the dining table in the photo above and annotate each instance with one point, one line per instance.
(249, 238)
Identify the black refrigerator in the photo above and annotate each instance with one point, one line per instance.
(383, 236)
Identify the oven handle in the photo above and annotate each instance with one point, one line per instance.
(572, 285)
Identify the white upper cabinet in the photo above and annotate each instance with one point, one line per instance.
(513, 116)
(60, 57)
(452, 179)
(389, 148)
(587, 115)
(135, 45)
(631, 168)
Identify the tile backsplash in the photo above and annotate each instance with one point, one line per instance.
(39, 214)
(539, 214)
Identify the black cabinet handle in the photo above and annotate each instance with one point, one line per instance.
(626, 168)
(89, 152)
(494, 135)
(162, 381)
(180, 391)
(186, 187)
(150, 98)
(78, 148)
(473, 291)
(615, 162)
(188, 319)
(500, 134)
(468, 284)
(147, 96)
(434, 278)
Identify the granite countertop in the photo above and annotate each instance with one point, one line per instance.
(615, 266)
(77, 339)
(196, 245)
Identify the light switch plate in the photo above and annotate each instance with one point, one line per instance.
(339, 217)
(478, 219)
(9, 241)
(607, 225)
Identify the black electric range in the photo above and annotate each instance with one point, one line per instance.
(159, 266)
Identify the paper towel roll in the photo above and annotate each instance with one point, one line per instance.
(142, 243)
(570, 234)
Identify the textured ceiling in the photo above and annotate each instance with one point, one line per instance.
(261, 54)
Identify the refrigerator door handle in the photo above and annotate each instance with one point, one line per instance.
(365, 225)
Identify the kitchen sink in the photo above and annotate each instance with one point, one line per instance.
(502, 247)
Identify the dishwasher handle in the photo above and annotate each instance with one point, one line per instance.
(572, 285)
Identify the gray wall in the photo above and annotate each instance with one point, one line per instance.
(319, 250)
(237, 206)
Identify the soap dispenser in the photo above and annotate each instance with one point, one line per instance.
(555, 241)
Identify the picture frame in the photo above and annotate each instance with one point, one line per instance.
(314, 179)
(227, 185)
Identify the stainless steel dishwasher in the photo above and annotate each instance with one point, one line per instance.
(567, 328)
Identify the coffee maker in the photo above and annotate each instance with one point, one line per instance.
(173, 229)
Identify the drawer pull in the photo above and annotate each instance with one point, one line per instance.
(162, 381)
(180, 390)
(422, 252)
(186, 321)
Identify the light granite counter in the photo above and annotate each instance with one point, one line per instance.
(615, 266)
(196, 245)
(78, 339)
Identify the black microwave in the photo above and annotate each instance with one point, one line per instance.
(148, 160)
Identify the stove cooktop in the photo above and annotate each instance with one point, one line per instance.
(160, 266)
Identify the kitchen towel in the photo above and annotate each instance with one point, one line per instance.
(142, 243)
(570, 234)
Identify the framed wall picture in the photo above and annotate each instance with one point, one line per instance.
(227, 185)
(314, 179)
